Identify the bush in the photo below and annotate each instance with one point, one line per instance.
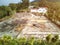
(8, 40)
(5, 11)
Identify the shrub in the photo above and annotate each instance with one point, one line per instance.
(5, 11)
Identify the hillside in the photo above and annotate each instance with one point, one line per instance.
(48, 0)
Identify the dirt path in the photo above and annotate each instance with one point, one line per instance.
(38, 27)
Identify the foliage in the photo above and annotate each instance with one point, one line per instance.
(22, 5)
(5, 11)
(25, 3)
(54, 13)
(8, 40)
(13, 6)
(48, 38)
(53, 10)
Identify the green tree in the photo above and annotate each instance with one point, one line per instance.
(42, 3)
(5, 11)
(13, 6)
(25, 3)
